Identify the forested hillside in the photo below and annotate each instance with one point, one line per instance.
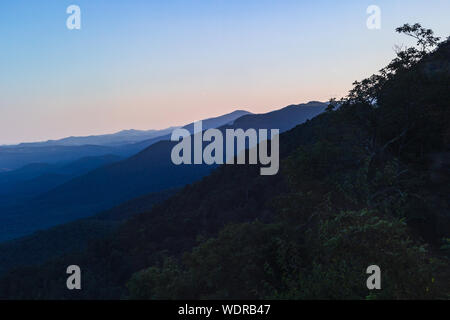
(149, 171)
(365, 183)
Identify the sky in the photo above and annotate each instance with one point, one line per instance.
(142, 64)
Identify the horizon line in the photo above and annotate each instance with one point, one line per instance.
(144, 130)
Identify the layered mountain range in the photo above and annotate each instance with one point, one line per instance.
(42, 195)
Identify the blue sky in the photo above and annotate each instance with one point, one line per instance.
(152, 64)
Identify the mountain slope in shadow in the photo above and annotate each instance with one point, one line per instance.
(36, 178)
(151, 170)
(125, 143)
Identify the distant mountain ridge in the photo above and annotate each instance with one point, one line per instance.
(283, 119)
(65, 162)
(151, 170)
(118, 138)
(123, 144)
(209, 123)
